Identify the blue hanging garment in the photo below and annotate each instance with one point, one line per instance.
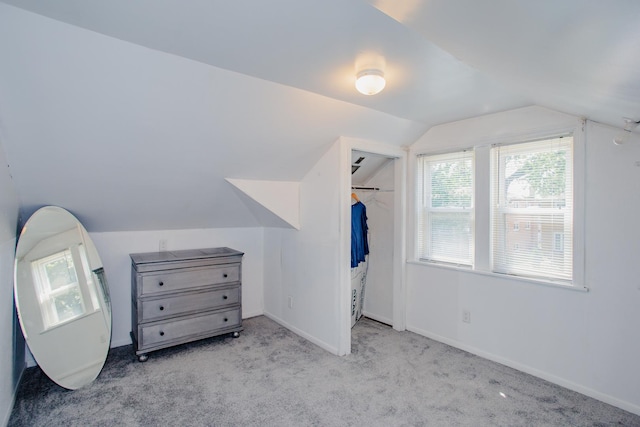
(359, 244)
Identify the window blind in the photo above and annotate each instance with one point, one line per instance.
(532, 209)
(445, 212)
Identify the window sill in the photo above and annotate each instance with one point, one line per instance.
(526, 280)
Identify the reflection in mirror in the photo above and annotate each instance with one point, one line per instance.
(62, 297)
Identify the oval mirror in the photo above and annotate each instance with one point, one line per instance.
(62, 297)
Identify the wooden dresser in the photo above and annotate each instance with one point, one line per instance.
(183, 296)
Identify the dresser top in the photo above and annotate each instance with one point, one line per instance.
(183, 255)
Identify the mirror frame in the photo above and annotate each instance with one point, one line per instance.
(62, 297)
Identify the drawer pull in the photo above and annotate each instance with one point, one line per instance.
(161, 284)
(161, 333)
(225, 275)
(226, 320)
(161, 307)
(225, 297)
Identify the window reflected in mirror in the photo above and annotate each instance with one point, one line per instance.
(65, 286)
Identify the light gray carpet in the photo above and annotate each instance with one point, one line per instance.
(271, 377)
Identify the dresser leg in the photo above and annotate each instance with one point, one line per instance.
(143, 358)
(236, 334)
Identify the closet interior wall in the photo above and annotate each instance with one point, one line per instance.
(379, 201)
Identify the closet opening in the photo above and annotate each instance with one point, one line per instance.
(377, 175)
(372, 237)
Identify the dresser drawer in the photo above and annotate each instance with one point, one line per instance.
(188, 329)
(157, 308)
(188, 278)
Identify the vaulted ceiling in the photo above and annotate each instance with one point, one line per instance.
(130, 113)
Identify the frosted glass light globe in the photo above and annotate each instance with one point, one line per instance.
(370, 82)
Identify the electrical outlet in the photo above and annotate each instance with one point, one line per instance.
(163, 245)
(290, 301)
(466, 316)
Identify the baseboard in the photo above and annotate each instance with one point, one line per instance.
(120, 343)
(380, 319)
(319, 343)
(603, 397)
(250, 314)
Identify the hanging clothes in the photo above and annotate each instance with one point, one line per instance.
(359, 243)
(359, 257)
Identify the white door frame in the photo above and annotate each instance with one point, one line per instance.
(347, 145)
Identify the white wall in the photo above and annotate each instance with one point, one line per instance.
(304, 264)
(8, 224)
(586, 341)
(115, 247)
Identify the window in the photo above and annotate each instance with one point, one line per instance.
(58, 288)
(64, 286)
(533, 183)
(445, 216)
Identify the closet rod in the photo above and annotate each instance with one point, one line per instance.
(355, 187)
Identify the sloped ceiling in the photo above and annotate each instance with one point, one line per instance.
(575, 56)
(131, 114)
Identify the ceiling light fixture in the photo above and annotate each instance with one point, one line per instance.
(370, 81)
(629, 125)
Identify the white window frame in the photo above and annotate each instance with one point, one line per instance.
(85, 283)
(47, 295)
(510, 260)
(481, 147)
(423, 246)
